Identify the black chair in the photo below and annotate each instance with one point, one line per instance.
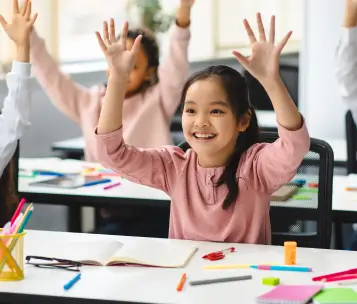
(313, 215)
(258, 96)
(351, 140)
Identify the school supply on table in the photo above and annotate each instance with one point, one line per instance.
(338, 276)
(101, 252)
(336, 296)
(230, 266)
(286, 294)
(290, 253)
(181, 282)
(12, 243)
(284, 193)
(71, 182)
(220, 280)
(72, 282)
(271, 281)
(282, 268)
(218, 255)
(112, 186)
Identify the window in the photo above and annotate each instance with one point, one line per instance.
(68, 26)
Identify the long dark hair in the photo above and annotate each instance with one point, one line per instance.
(237, 93)
(8, 199)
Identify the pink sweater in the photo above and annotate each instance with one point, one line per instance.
(151, 110)
(196, 204)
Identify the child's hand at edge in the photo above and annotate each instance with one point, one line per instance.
(19, 29)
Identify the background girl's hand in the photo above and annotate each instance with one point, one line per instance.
(263, 64)
(120, 59)
(184, 13)
(21, 24)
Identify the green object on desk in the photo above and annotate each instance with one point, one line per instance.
(271, 281)
(308, 190)
(336, 295)
(27, 175)
(301, 197)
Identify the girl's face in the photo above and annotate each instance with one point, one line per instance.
(208, 123)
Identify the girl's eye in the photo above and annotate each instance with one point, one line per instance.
(190, 111)
(217, 111)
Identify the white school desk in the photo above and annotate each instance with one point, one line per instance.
(125, 284)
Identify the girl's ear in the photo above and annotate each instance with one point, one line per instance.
(150, 73)
(245, 121)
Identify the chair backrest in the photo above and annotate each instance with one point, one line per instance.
(306, 217)
(351, 140)
(308, 214)
(258, 96)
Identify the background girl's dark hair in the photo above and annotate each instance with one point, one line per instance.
(151, 49)
(237, 93)
(8, 199)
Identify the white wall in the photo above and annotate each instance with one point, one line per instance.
(319, 97)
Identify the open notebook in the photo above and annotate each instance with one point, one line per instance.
(140, 251)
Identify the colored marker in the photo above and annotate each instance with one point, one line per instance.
(97, 182)
(72, 282)
(112, 186)
(181, 283)
(283, 268)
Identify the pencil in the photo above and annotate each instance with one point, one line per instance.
(181, 283)
(112, 186)
(221, 280)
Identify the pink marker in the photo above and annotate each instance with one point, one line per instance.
(112, 186)
(18, 210)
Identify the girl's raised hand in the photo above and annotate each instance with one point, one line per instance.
(263, 64)
(21, 24)
(120, 59)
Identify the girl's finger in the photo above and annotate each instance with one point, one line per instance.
(28, 10)
(249, 31)
(124, 34)
(105, 32)
(136, 46)
(24, 8)
(272, 30)
(261, 28)
(101, 42)
(244, 61)
(112, 36)
(33, 19)
(283, 42)
(15, 6)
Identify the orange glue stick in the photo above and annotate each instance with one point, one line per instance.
(290, 253)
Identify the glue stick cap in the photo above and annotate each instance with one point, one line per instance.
(290, 244)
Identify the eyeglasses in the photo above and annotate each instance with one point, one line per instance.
(53, 263)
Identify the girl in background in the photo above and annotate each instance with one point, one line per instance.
(15, 116)
(152, 96)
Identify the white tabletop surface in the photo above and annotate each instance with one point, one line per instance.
(343, 200)
(158, 285)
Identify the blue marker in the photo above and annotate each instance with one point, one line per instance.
(97, 182)
(283, 268)
(72, 282)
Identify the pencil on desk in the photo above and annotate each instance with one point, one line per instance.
(221, 280)
(181, 283)
(112, 186)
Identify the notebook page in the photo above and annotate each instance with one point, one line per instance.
(97, 251)
(155, 252)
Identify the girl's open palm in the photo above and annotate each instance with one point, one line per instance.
(263, 64)
(120, 59)
(21, 24)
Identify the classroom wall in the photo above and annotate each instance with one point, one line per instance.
(318, 93)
